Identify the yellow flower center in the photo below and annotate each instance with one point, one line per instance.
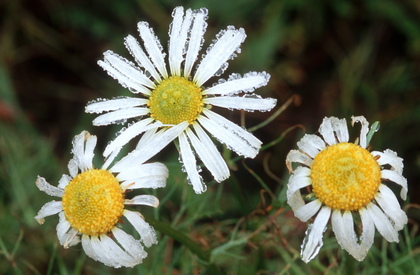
(93, 202)
(176, 100)
(345, 176)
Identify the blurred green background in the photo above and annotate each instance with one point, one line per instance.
(336, 58)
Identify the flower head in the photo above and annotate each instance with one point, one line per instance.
(175, 104)
(93, 203)
(345, 180)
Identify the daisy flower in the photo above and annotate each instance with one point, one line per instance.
(346, 182)
(93, 203)
(176, 104)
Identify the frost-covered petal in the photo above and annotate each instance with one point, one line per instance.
(223, 49)
(237, 84)
(398, 179)
(148, 200)
(50, 208)
(382, 223)
(129, 133)
(98, 107)
(299, 157)
(364, 131)
(389, 204)
(153, 47)
(116, 256)
(311, 145)
(195, 39)
(147, 233)
(327, 131)
(47, 188)
(208, 153)
(340, 129)
(120, 115)
(308, 210)
(178, 37)
(190, 165)
(156, 144)
(227, 132)
(131, 246)
(389, 157)
(313, 240)
(242, 103)
(150, 175)
(299, 179)
(141, 58)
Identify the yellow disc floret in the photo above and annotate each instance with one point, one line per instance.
(176, 100)
(93, 202)
(345, 176)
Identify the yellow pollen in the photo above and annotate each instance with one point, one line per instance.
(93, 202)
(176, 100)
(345, 176)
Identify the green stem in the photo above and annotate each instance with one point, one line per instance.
(179, 236)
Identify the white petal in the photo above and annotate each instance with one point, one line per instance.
(128, 69)
(208, 153)
(73, 167)
(147, 233)
(311, 145)
(64, 181)
(327, 131)
(299, 179)
(389, 157)
(313, 240)
(237, 84)
(364, 131)
(389, 204)
(88, 247)
(190, 165)
(78, 149)
(47, 188)
(242, 103)
(382, 223)
(114, 255)
(124, 81)
(50, 208)
(147, 137)
(120, 115)
(131, 246)
(155, 145)
(227, 132)
(299, 157)
(398, 179)
(178, 37)
(148, 200)
(150, 175)
(308, 210)
(340, 129)
(215, 60)
(195, 39)
(153, 47)
(142, 60)
(89, 154)
(98, 107)
(129, 133)
(101, 251)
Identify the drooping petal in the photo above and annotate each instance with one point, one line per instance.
(141, 58)
(114, 255)
(131, 246)
(153, 47)
(119, 116)
(47, 188)
(311, 145)
(398, 179)
(237, 84)
(382, 223)
(98, 107)
(208, 153)
(364, 131)
(299, 179)
(148, 200)
(67, 236)
(50, 208)
(147, 233)
(313, 240)
(242, 103)
(222, 50)
(389, 204)
(308, 210)
(227, 132)
(389, 157)
(190, 165)
(195, 39)
(299, 157)
(178, 38)
(150, 175)
(129, 133)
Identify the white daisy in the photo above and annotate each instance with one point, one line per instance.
(345, 181)
(93, 203)
(175, 104)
